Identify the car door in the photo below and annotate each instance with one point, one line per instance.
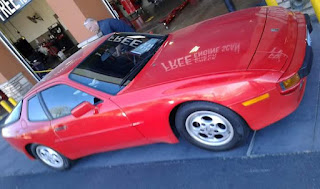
(104, 127)
(35, 123)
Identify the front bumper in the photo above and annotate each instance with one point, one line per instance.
(307, 63)
(308, 59)
(308, 22)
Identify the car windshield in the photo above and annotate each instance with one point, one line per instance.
(14, 115)
(116, 61)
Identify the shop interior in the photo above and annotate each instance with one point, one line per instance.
(145, 15)
(165, 16)
(39, 36)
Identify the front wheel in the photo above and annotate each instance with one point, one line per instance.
(50, 157)
(211, 126)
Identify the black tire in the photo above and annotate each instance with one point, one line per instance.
(66, 163)
(239, 130)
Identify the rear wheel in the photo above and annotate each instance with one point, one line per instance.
(211, 126)
(50, 157)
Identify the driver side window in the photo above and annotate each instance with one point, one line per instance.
(61, 99)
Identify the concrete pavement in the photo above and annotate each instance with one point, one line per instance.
(293, 171)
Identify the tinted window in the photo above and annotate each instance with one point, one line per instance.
(15, 114)
(61, 99)
(35, 111)
(116, 62)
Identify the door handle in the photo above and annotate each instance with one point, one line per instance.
(60, 128)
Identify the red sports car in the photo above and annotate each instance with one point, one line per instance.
(210, 83)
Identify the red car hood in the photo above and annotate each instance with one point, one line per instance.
(223, 44)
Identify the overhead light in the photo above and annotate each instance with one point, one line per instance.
(194, 49)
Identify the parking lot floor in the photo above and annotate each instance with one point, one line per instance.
(297, 133)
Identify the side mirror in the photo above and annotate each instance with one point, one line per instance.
(82, 109)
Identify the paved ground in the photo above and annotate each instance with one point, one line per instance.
(265, 155)
(295, 171)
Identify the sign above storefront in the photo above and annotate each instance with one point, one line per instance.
(9, 7)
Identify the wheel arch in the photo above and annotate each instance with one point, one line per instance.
(31, 155)
(177, 106)
(29, 151)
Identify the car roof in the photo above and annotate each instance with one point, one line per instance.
(61, 72)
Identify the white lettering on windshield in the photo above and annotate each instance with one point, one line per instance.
(125, 40)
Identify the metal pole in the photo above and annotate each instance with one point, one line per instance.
(316, 7)
(230, 5)
(272, 2)
(13, 101)
(6, 106)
